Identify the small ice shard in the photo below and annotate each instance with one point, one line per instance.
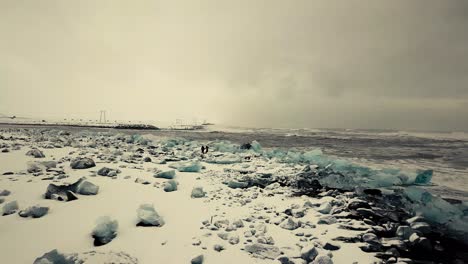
(188, 166)
(82, 163)
(55, 257)
(34, 211)
(197, 192)
(147, 216)
(170, 174)
(424, 177)
(170, 186)
(36, 153)
(105, 231)
(263, 251)
(197, 260)
(10, 208)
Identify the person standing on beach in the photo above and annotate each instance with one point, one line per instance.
(202, 149)
(206, 149)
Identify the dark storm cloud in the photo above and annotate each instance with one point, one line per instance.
(356, 63)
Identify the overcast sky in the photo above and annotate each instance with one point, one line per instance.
(352, 64)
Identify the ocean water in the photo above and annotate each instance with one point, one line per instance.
(445, 153)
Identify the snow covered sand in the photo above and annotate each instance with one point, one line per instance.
(238, 220)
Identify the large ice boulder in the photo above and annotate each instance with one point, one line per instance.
(170, 174)
(34, 211)
(82, 163)
(35, 153)
(225, 159)
(187, 166)
(105, 231)
(147, 216)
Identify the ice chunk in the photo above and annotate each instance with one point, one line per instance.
(263, 251)
(147, 216)
(238, 185)
(424, 177)
(105, 231)
(309, 253)
(55, 257)
(170, 174)
(225, 159)
(197, 192)
(322, 259)
(10, 208)
(188, 166)
(170, 186)
(197, 260)
(34, 211)
(87, 188)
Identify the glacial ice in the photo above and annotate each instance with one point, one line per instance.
(170, 186)
(170, 174)
(10, 208)
(188, 166)
(197, 192)
(105, 230)
(147, 216)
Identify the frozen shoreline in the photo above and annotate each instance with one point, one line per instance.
(68, 225)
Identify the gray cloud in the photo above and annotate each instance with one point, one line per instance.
(357, 63)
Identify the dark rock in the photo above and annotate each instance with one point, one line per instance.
(5, 193)
(82, 163)
(375, 192)
(356, 204)
(197, 260)
(108, 172)
(66, 192)
(35, 153)
(329, 246)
